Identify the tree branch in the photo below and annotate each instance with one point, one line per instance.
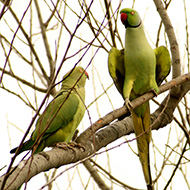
(94, 174)
(58, 157)
(45, 40)
(171, 36)
(16, 77)
(135, 103)
(107, 5)
(31, 46)
(177, 165)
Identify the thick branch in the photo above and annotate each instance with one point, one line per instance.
(171, 36)
(58, 157)
(135, 103)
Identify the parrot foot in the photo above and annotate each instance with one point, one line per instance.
(77, 145)
(153, 91)
(75, 135)
(70, 145)
(128, 104)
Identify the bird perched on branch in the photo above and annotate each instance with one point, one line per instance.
(62, 116)
(136, 70)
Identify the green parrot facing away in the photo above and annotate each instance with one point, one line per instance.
(62, 116)
(136, 70)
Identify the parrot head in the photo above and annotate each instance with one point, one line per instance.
(130, 18)
(76, 74)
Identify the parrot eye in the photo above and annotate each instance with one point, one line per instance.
(81, 70)
(132, 12)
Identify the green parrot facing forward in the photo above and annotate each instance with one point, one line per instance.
(136, 70)
(62, 116)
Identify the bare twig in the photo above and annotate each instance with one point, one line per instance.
(45, 40)
(94, 174)
(31, 46)
(14, 36)
(176, 167)
(107, 5)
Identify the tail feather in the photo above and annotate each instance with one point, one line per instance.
(141, 124)
(26, 146)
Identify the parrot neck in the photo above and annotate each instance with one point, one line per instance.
(135, 38)
(81, 91)
(78, 89)
(67, 85)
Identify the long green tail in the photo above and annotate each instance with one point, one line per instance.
(141, 124)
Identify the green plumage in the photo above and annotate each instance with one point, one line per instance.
(62, 116)
(163, 64)
(136, 70)
(116, 68)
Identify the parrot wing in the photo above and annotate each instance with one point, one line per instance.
(116, 68)
(62, 123)
(59, 119)
(117, 71)
(163, 64)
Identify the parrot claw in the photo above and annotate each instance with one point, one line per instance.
(62, 145)
(75, 135)
(128, 104)
(74, 144)
(67, 146)
(153, 91)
